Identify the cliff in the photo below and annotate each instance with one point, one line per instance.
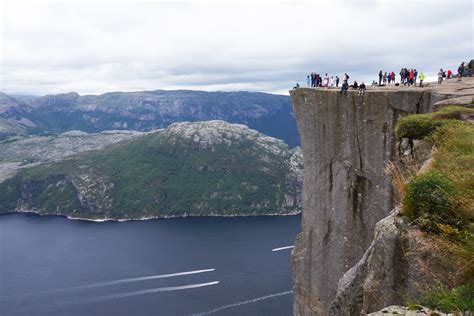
(346, 143)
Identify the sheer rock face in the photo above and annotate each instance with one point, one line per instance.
(346, 143)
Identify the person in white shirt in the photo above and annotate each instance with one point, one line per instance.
(326, 81)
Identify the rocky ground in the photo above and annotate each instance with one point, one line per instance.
(405, 311)
(29, 151)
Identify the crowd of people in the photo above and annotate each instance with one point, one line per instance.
(408, 77)
(463, 71)
(315, 80)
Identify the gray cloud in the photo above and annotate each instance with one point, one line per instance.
(98, 46)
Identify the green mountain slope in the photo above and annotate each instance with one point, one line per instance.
(204, 168)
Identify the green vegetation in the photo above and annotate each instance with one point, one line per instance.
(157, 176)
(419, 126)
(430, 200)
(447, 300)
(414, 307)
(441, 200)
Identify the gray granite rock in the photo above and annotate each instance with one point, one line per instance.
(346, 142)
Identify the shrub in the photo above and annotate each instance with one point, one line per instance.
(428, 193)
(431, 201)
(416, 126)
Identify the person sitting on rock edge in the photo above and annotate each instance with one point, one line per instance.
(344, 88)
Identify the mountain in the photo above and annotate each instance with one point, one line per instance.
(25, 151)
(200, 168)
(36, 148)
(150, 110)
(10, 128)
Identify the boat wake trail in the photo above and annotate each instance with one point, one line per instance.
(255, 300)
(282, 248)
(142, 292)
(94, 285)
(145, 278)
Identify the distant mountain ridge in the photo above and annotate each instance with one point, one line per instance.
(150, 110)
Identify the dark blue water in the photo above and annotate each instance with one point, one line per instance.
(55, 266)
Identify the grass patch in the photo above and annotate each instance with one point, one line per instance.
(449, 300)
(419, 126)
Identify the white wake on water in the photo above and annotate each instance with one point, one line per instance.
(94, 285)
(142, 292)
(255, 300)
(145, 278)
(283, 248)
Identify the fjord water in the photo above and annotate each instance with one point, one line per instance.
(51, 265)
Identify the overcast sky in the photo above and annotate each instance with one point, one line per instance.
(55, 46)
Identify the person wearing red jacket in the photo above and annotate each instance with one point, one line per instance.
(450, 73)
(411, 75)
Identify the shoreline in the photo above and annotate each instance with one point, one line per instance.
(145, 218)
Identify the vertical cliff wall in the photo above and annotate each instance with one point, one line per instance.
(346, 142)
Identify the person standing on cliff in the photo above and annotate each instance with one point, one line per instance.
(422, 77)
(385, 78)
(362, 88)
(411, 77)
(337, 82)
(308, 81)
(460, 71)
(440, 76)
(380, 77)
(326, 80)
(346, 78)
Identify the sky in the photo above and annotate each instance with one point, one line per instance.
(97, 46)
